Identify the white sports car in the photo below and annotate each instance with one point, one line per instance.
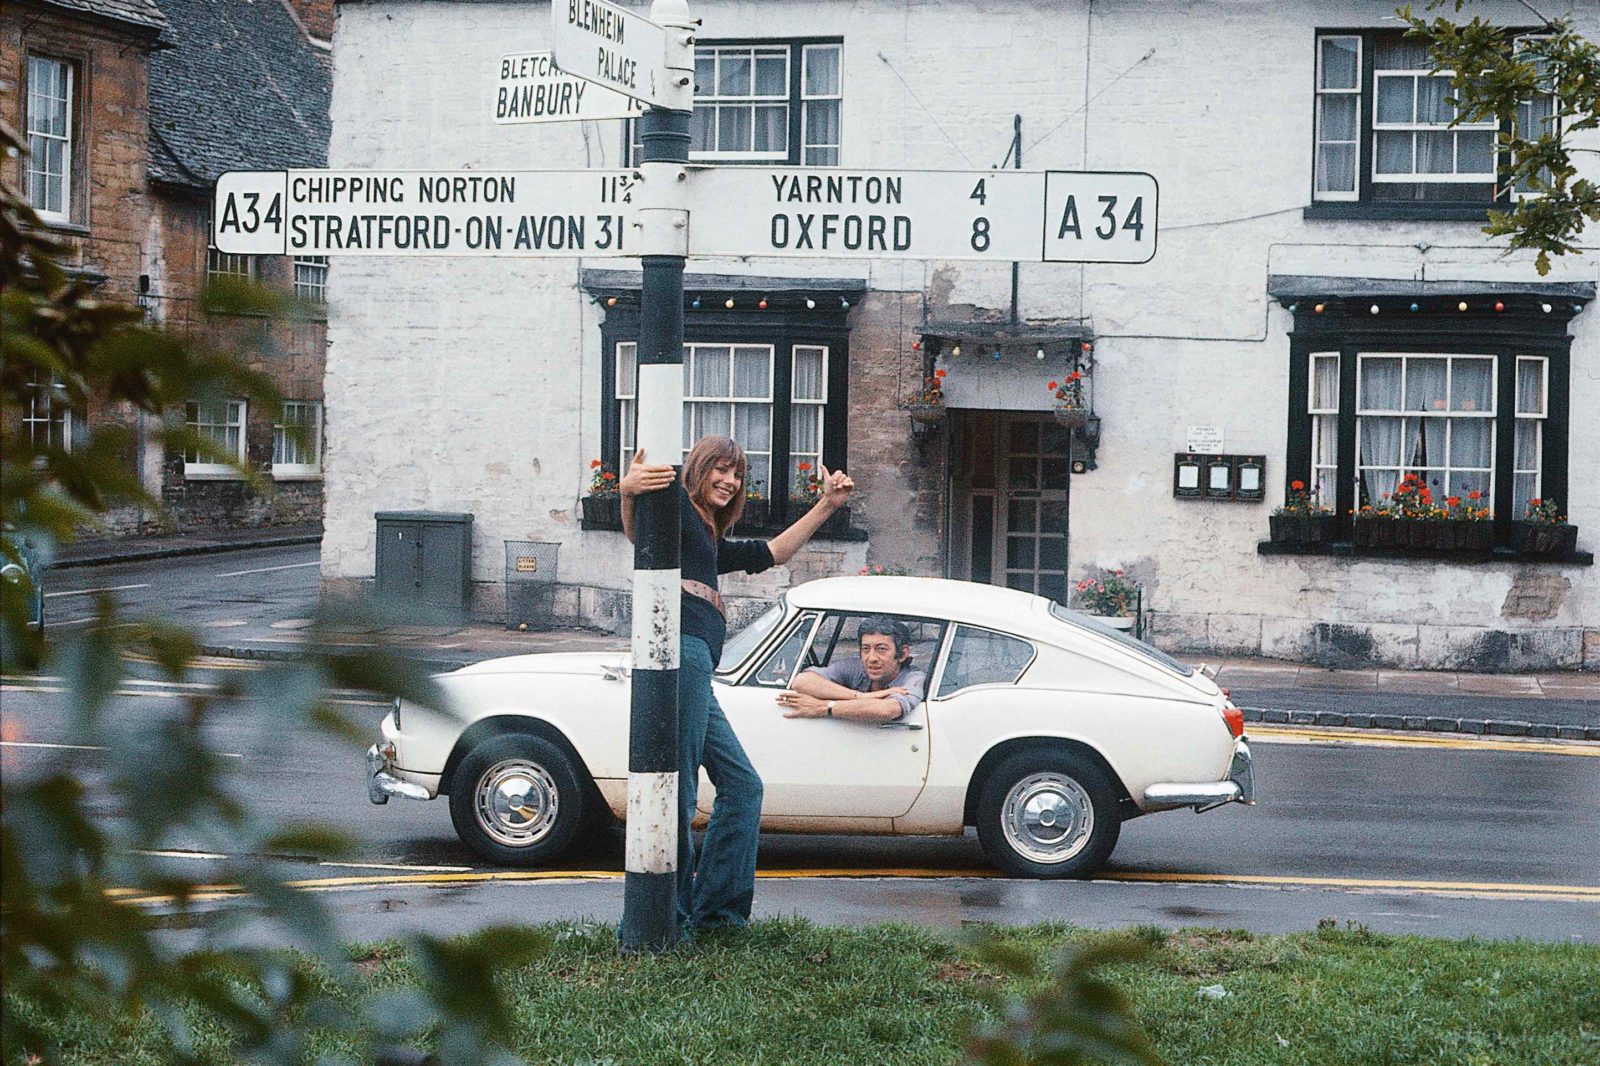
(1042, 727)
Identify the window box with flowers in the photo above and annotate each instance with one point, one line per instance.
(602, 507)
(804, 494)
(927, 404)
(1111, 596)
(757, 513)
(1409, 518)
(1544, 531)
(1070, 409)
(1302, 520)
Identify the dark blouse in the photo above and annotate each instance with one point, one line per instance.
(702, 560)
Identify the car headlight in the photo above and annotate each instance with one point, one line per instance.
(396, 712)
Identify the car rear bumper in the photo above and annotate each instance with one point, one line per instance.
(1238, 787)
(381, 780)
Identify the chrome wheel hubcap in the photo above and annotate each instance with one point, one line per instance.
(516, 803)
(1047, 818)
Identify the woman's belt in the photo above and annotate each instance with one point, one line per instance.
(701, 590)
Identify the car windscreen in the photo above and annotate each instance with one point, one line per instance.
(1088, 622)
(738, 647)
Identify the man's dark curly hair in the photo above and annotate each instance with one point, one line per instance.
(881, 625)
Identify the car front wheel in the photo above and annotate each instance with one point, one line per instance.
(516, 800)
(1048, 814)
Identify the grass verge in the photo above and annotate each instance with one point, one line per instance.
(789, 991)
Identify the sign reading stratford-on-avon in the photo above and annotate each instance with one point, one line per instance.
(511, 213)
(529, 87)
(611, 46)
(1051, 216)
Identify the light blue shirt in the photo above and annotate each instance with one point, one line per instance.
(849, 672)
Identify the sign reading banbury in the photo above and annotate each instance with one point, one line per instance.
(529, 87)
(334, 212)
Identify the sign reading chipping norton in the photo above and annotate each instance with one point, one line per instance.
(611, 46)
(529, 87)
(1049, 216)
(471, 213)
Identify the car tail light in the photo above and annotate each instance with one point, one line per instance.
(1235, 719)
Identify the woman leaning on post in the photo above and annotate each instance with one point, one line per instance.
(720, 889)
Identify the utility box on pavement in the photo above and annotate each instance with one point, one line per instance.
(530, 583)
(425, 561)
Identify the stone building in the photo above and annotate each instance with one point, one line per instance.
(1322, 308)
(132, 110)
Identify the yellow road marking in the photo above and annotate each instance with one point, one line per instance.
(1290, 735)
(1477, 889)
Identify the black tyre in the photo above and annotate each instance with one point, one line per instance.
(517, 800)
(1048, 814)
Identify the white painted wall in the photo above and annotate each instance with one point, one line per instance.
(472, 385)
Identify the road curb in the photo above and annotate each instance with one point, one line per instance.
(287, 655)
(1477, 726)
(172, 551)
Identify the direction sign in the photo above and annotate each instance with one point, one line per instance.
(471, 213)
(529, 87)
(1049, 216)
(611, 46)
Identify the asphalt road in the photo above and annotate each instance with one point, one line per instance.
(1439, 835)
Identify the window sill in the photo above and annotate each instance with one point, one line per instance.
(1346, 549)
(221, 473)
(297, 475)
(1375, 211)
(77, 229)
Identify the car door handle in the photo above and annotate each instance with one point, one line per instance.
(614, 673)
(899, 725)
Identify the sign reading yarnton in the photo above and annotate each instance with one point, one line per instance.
(529, 87)
(469, 213)
(611, 46)
(1049, 216)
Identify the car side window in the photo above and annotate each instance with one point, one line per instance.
(983, 657)
(837, 639)
(785, 658)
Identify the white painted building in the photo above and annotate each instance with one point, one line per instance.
(1319, 232)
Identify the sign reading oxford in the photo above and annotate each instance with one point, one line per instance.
(508, 213)
(1049, 216)
(611, 46)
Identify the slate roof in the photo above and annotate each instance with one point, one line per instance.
(241, 88)
(142, 13)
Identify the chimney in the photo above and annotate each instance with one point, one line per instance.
(315, 15)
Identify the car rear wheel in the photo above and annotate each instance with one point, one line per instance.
(1048, 814)
(517, 800)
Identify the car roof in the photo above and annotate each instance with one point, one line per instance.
(929, 597)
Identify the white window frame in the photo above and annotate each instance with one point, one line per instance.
(1537, 418)
(1450, 415)
(1555, 113)
(235, 415)
(311, 278)
(45, 177)
(220, 264)
(808, 98)
(307, 413)
(1324, 462)
(1452, 177)
(711, 104)
(692, 401)
(821, 406)
(1322, 95)
(48, 414)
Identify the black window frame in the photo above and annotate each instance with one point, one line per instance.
(1365, 206)
(796, 148)
(783, 323)
(1345, 323)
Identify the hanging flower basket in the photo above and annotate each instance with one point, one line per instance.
(1072, 417)
(928, 414)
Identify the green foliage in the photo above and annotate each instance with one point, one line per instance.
(1491, 76)
(74, 842)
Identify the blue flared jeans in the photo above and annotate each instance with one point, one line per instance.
(719, 889)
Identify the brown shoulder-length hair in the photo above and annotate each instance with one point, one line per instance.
(707, 454)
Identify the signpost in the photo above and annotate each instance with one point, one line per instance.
(611, 46)
(474, 213)
(1003, 215)
(529, 87)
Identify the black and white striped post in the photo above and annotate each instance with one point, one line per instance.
(650, 891)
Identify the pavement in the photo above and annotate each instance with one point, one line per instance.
(1559, 704)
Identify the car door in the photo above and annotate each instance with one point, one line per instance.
(825, 767)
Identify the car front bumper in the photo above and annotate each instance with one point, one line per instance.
(381, 781)
(1238, 787)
